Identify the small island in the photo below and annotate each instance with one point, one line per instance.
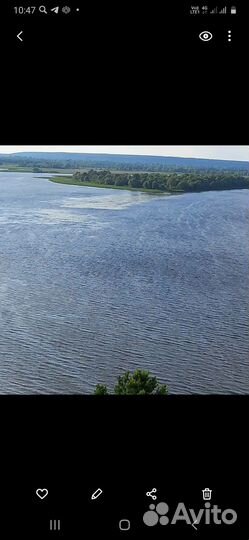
(157, 182)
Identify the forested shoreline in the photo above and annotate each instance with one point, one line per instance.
(153, 174)
(170, 182)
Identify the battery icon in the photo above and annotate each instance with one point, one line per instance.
(233, 10)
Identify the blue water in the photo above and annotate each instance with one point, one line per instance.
(97, 281)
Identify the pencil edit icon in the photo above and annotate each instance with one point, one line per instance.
(96, 494)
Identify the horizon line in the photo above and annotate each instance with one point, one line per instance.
(121, 154)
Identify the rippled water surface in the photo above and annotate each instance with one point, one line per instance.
(96, 281)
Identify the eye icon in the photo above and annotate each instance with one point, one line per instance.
(205, 36)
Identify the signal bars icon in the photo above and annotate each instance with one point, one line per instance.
(217, 11)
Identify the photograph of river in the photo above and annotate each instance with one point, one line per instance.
(97, 281)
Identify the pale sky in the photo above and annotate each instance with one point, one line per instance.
(240, 153)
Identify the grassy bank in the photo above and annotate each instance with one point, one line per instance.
(18, 168)
(70, 181)
(12, 168)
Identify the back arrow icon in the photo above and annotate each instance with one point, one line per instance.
(19, 35)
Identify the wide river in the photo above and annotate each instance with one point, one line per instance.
(94, 282)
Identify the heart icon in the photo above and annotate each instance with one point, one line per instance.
(41, 493)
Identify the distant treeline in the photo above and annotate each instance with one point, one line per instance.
(39, 163)
(167, 182)
(181, 166)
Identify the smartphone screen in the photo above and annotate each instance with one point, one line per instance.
(124, 290)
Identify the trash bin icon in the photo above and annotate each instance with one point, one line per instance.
(207, 493)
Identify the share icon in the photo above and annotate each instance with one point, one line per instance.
(150, 494)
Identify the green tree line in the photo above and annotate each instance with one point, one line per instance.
(170, 182)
